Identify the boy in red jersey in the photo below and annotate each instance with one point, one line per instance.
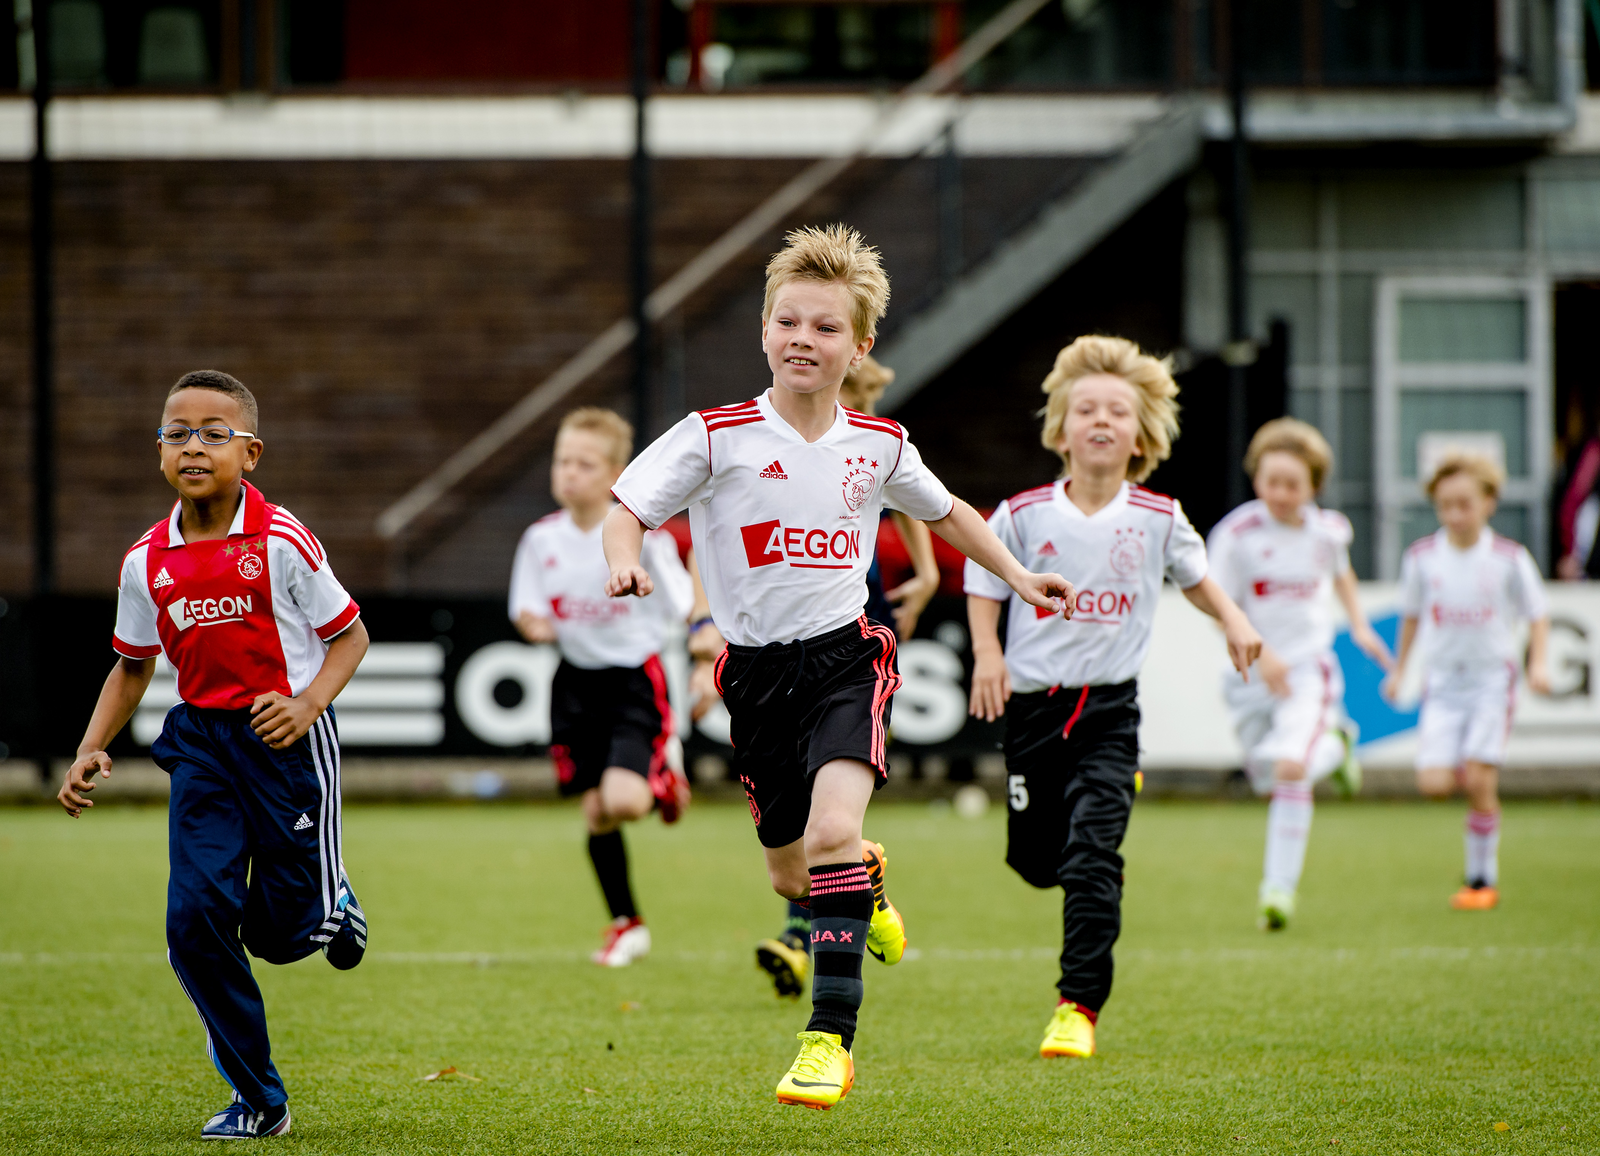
(784, 493)
(239, 597)
(1072, 728)
(610, 720)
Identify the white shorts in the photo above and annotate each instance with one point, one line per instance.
(1466, 716)
(1272, 729)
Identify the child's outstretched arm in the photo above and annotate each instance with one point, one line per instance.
(1244, 644)
(1538, 651)
(1408, 636)
(991, 681)
(1361, 632)
(119, 698)
(967, 532)
(281, 721)
(622, 538)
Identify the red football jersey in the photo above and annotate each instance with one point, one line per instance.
(238, 617)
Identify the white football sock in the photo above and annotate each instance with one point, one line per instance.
(1288, 829)
(1326, 754)
(1483, 847)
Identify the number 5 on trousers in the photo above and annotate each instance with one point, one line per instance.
(1017, 791)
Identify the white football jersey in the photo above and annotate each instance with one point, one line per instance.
(1116, 559)
(1282, 576)
(1469, 600)
(560, 573)
(784, 529)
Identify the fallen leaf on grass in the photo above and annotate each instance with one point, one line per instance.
(1502, 1126)
(450, 1073)
(592, 1091)
(631, 1005)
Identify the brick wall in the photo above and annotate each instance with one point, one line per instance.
(384, 312)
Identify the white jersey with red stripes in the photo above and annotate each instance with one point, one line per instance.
(560, 573)
(1116, 558)
(1281, 575)
(1469, 601)
(784, 529)
(236, 617)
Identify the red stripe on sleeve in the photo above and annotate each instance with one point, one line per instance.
(340, 622)
(129, 650)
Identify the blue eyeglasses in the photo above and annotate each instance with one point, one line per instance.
(211, 435)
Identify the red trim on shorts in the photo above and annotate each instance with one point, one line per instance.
(716, 671)
(561, 755)
(1083, 697)
(658, 683)
(886, 682)
(1327, 700)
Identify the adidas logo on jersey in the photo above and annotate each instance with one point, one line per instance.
(162, 579)
(775, 470)
(1048, 550)
(302, 823)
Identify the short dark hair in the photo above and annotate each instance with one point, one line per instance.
(219, 382)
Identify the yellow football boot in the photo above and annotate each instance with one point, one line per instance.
(786, 961)
(1071, 1033)
(886, 934)
(822, 1073)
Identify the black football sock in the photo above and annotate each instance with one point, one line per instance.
(841, 909)
(610, 856)
(797, 926)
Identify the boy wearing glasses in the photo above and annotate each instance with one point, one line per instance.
(239, 597)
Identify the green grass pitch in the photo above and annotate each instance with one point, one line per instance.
(1379, 1022)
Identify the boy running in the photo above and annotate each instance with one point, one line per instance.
(784, 493)
(787, 956)
(609, 716)
(1072, 730)
(1279, 557)
(1469, 586)
(239, 597)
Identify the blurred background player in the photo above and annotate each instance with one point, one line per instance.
(1072, 730)
(787, 956)
(784, 493)
(1469, 586)
(1280, 557)
(610, 721)
(239, 597)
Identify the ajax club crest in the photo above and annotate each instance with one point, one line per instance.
(858, 482)
(1127, 552)
(250, 566)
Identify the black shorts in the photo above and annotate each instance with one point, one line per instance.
(1072, 755)
(617, 716)
(795, 706)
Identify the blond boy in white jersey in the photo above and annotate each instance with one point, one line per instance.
(784, 493)
(610, 719)
(1281, 557)
(1072, 727)
(1463, 590)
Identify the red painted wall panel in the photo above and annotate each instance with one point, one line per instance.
(487, 40)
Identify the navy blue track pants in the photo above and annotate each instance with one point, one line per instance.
(254, 838)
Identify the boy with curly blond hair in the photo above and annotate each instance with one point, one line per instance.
(1068, 690)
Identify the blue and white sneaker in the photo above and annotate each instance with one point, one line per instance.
(238, 1122)
(347, 941)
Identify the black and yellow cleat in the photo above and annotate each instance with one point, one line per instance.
(886, 934)
(786, 961)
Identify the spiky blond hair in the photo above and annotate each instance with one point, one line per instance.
(608, 424)
(864, 384)
(1287, 435)
(1151, 379)
(834, 253)
(1481, 469)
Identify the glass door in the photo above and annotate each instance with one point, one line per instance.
(1461, 363)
